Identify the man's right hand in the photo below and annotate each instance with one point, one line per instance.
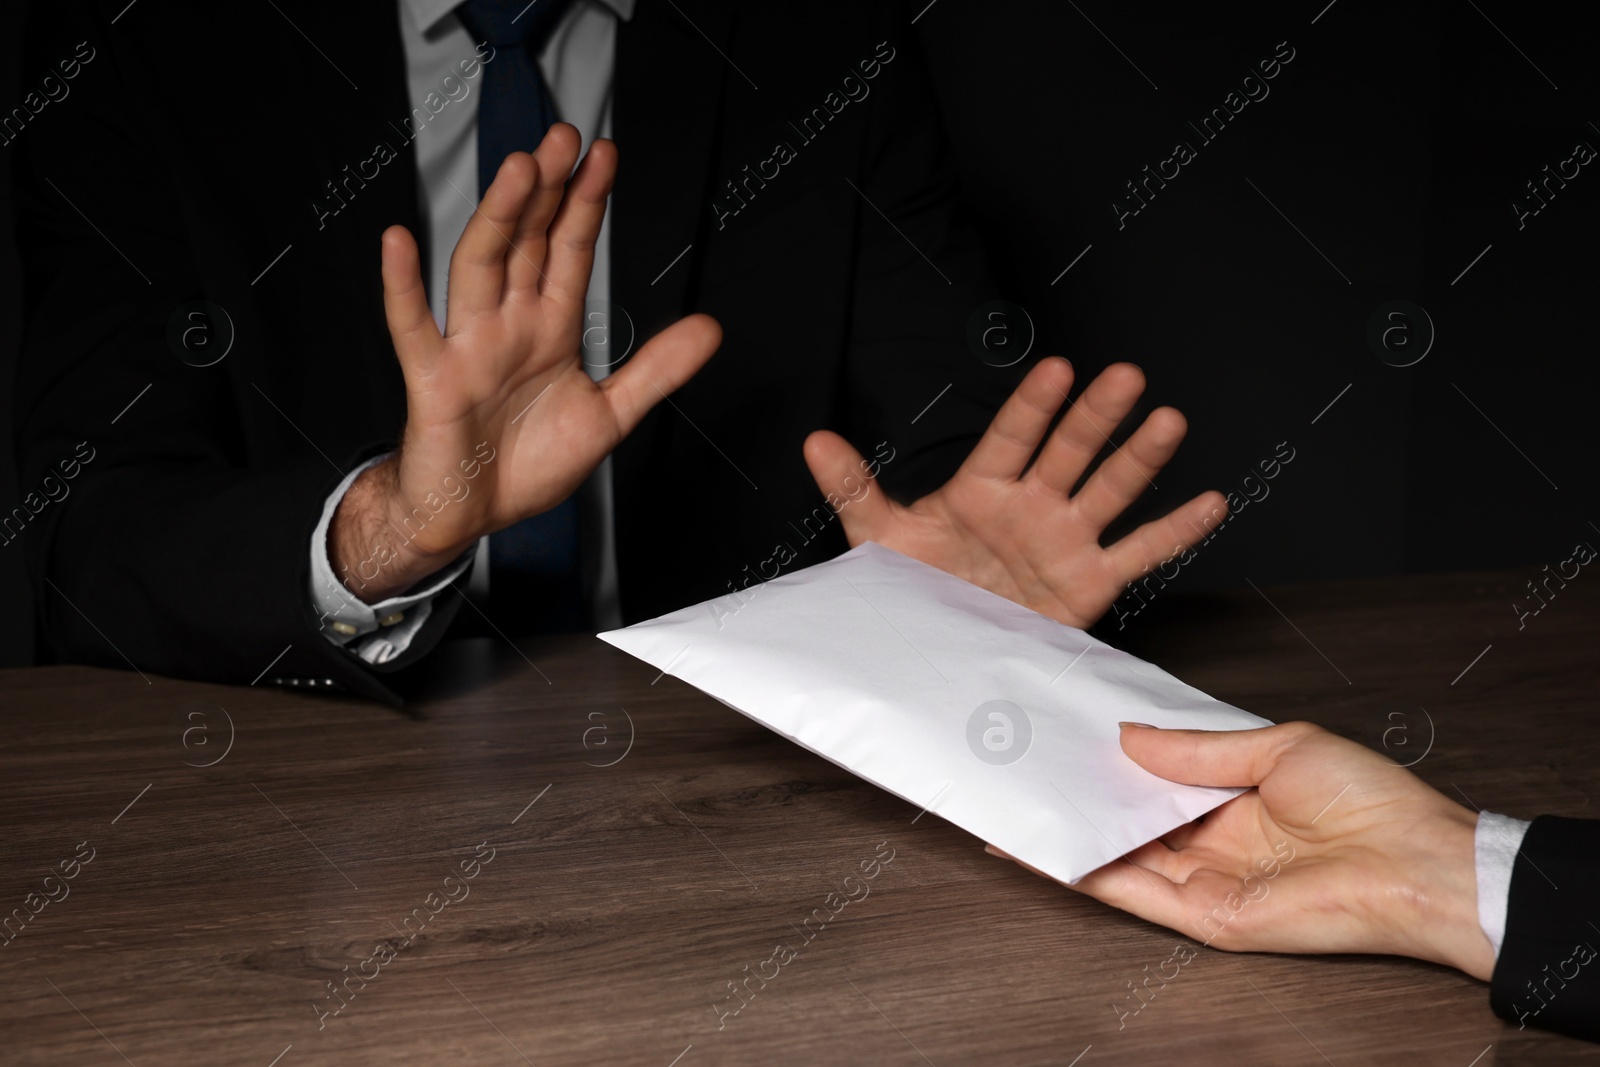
(502, 420)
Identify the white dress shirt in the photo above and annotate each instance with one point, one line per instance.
(1494, 848)
(578, 61)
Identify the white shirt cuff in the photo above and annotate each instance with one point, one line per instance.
(1495, 845)
(376, 632)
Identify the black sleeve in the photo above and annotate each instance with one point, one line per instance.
(921, 277)
(1548, 974)
(158, 534)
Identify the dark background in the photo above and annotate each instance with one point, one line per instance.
(16, 602)
(1394, 142)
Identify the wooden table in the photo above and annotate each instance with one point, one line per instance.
(573, 899)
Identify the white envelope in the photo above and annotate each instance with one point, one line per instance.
(955, 699)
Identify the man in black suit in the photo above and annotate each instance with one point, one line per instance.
(1337, 849)
(251, 158)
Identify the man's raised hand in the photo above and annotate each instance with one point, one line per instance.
(1011, 523)
(505, 379)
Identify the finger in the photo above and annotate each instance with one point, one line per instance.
(1184, 836)
(1132, 468)
(1159, 858)
(1154, 857)
(666, 361)
(553, 161)
(1168, 537)
(1225, 758)
(405, 303)
(1088, 426)
(576, 226)
(1136, 890)
(1189, 907)
(843, 477)
(1020, 424)
(993, 851)
(477, 267)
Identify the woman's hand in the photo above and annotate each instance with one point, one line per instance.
(1337, 849)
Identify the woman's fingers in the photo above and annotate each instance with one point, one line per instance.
(1155, 863)
(1135, 889)
(1160, 859)
(1226, 758)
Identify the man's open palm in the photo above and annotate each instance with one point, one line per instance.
(502, 392)
(1011, 523)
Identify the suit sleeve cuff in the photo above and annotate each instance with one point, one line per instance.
(1495, 845)
(375, 632)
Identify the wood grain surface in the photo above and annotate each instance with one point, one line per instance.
(567, 859)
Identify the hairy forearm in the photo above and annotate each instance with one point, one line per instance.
(368, 542)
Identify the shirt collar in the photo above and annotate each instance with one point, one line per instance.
(426, 13)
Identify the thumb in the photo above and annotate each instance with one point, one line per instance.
(1223, 758)
(665, 363)
(846, 480)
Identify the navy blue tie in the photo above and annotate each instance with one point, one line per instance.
(534, 576)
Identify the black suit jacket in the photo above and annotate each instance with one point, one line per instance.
(1548, 973)
(189, 162)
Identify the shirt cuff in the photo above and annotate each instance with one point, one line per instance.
(1495, 845)
(375, 632)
